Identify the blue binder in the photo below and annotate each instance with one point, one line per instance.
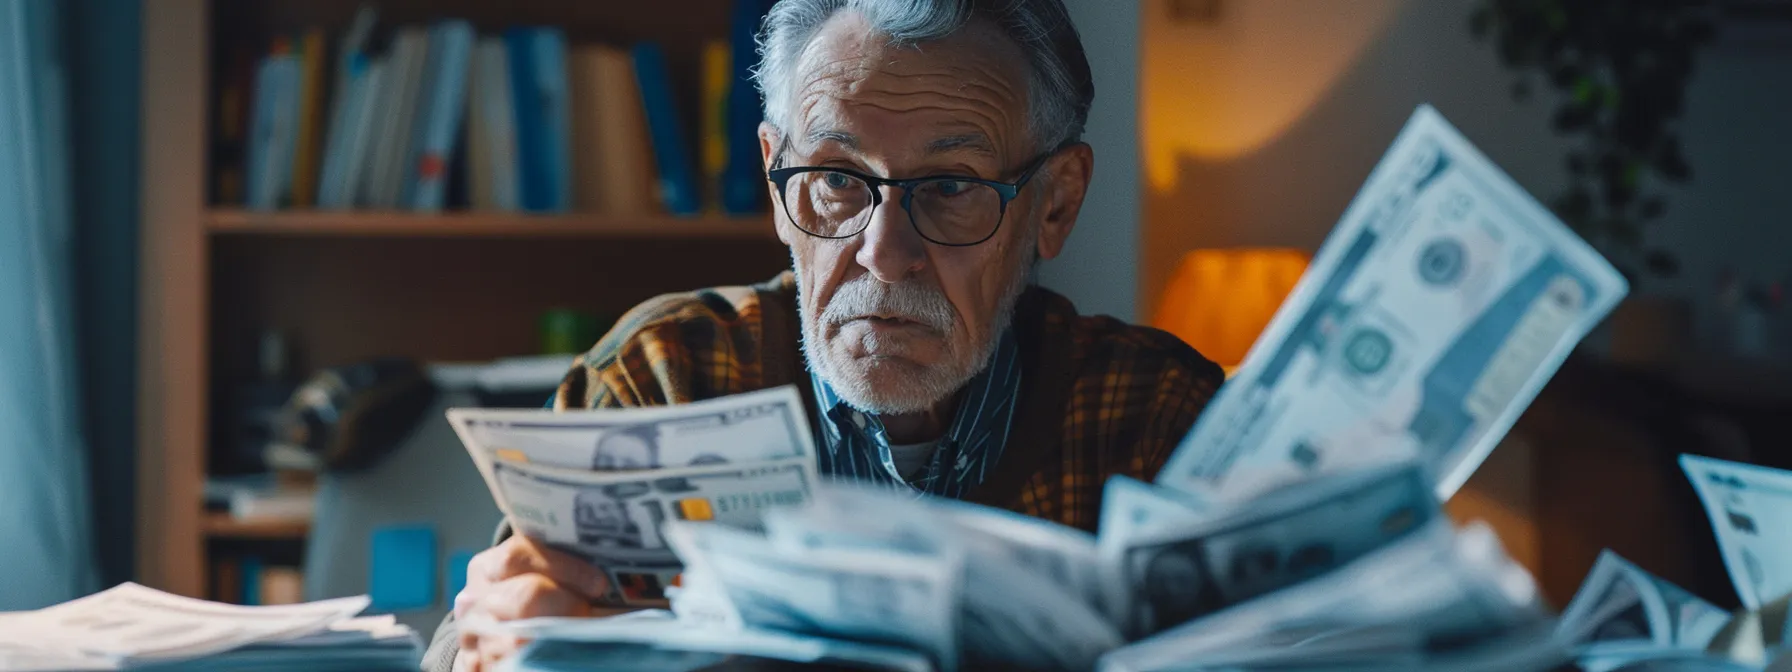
(671, 150)
(743, 178)
(538, 86)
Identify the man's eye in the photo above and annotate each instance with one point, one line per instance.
(949, 188)
(836, 180)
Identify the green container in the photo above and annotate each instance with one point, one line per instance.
(565, 331)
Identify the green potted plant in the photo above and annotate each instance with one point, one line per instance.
(1619, 69)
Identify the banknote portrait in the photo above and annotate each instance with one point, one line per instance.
(635, 447)
(602, 520)
(1177, 586)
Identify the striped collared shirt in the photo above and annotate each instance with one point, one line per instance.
(1099, 397)
(856, 446)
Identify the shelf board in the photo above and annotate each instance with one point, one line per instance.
(221, 525)
(389, 224)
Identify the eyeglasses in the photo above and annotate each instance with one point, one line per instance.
(951, 210)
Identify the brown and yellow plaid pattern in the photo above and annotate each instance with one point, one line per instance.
(1099, 397)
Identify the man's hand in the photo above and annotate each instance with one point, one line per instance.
(517, 579)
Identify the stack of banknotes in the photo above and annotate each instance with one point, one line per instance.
(131, 627)
(1297, 526)
(1624, 618)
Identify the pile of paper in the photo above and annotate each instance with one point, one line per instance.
(138, 628)
(1298, 525)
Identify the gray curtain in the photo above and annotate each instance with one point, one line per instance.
(46, 553)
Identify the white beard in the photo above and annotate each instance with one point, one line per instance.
(928, 386)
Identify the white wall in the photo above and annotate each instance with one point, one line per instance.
(1371, 64)
(1099, 269)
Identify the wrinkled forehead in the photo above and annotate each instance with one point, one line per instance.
(965, 92)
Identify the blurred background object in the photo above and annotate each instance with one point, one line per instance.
(1219, 301)
(44, 495)
(1657, 128)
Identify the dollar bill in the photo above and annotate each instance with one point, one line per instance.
(1031, 597)
(845, 515)
(1748, 506)
(1131, 509)
(1621, 607)
(1377, 649)
(757, 426)
(1182, 573)
(1017, 620)
(890, 598)
(657, 634)
(615, 519)
(1661, 660)
(1432, 595)
(1429, 319)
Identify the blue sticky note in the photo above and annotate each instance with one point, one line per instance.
(402, 572)
(456, 573)
(251, 571)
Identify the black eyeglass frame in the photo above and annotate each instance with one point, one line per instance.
(1008, 191)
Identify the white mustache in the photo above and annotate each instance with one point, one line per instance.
(912, 301)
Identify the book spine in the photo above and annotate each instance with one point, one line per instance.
(672, 154)
(717, 82)
(442, 114)
(626, 159)
(359, 148)
(743, 180)
(551, 81)
(526, 100)
(501, 141)
(306, 144)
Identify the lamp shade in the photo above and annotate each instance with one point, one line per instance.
(1220, 300)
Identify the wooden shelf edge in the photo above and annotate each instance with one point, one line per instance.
(221, 525)
(320, 223)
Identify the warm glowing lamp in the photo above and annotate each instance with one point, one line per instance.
(1221, 299)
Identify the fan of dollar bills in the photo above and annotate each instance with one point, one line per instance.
(1298, 526)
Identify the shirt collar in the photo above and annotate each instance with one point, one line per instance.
(856, 442)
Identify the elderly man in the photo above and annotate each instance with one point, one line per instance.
(923, 156)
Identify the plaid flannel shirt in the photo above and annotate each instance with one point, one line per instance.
(1110, 398)
(1097, 397)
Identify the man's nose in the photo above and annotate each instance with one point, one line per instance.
(892, 250)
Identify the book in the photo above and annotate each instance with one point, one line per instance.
(441, 110)
(718, 83)
(491, 142)
(397, 109)
(539, 92)
(271, 132)
(677, 182)
(307, 139)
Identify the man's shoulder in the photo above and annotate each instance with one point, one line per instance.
(679, 347)
(711, 310)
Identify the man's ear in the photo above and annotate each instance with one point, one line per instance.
(1067, 176)
(768, 143)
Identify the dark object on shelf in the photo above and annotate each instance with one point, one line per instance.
(255, 407)
(346, 418)
(1621, 69)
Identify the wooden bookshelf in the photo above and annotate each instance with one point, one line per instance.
(344, 286)
(237, 222)
(217, 525)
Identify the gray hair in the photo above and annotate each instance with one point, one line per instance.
(1059, 89)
